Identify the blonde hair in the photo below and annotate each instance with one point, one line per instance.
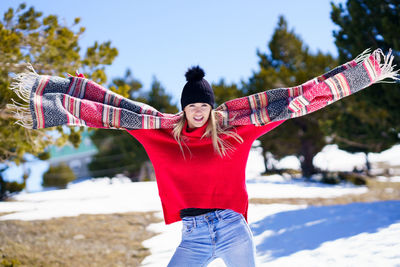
(214, 130)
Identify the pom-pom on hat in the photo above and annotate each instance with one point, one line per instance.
(197, 89)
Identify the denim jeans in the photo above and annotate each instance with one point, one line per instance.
(218, 234)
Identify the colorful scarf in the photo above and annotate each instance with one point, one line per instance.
(76, 101)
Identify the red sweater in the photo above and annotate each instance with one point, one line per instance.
(203, 179)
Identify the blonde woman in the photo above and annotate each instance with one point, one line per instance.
(200, 154)
(200, 169)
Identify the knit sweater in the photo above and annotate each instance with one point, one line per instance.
(203, 179)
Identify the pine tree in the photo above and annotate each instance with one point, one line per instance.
(52, 48)
(159, 99)
(224, 92)
(367, 122)
(58, 176)
(290, 63)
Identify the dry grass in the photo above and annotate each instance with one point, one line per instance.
(85, 240)
(378, 191)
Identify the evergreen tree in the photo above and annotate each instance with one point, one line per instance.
(159, 99)
(367, 122)
(58, 176)
(290, 63)
(53, 49)
(224, 92)
(8, 188)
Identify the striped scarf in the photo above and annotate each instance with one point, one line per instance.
(76, 101)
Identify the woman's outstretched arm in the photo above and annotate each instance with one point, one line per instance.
(286, 103)
(76, 101)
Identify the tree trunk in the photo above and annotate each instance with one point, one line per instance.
(306, 159)
(2, 185)
(264, 153)
(2, 188)
(367, 165)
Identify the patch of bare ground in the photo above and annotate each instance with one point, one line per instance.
(378, 191)
(85, 240)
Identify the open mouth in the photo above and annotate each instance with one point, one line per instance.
(198, 119)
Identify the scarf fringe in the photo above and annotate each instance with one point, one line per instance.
(386, 66)
(22, 86)
(364, 55)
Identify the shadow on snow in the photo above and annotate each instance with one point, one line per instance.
(307, 229)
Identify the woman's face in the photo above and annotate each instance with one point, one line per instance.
(197, 114)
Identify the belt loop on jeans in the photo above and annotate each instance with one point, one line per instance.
(218, 215)
(194, 222)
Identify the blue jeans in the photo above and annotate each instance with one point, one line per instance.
(218, 234)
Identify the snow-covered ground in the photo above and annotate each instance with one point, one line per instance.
(358, 234)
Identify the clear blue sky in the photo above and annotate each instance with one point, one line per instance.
(164, 38)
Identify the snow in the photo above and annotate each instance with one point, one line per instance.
(388, 156)
(96, 196)
(395, 179)
(276, 187)
(357, 234)
(333, 159)
(323, 233)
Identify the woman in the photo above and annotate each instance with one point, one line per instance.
(200, 154)
(200, 169)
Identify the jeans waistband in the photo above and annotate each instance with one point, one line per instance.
(212, 216)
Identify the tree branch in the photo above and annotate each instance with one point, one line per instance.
(350, 142)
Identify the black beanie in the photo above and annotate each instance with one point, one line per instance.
(197, 89)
